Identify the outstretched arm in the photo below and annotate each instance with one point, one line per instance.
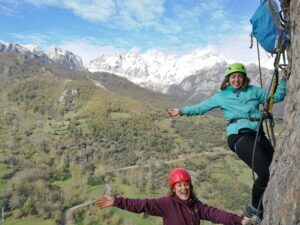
(279, 94)
(220, 216)
(197, 109)
(153, 207)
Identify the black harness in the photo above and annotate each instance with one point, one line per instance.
(250, 119)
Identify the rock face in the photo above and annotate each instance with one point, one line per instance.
(282, 197)
(28, 51)
(65, 57)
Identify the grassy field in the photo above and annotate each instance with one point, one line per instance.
(28, 221)
(2, 185)
(3, 170)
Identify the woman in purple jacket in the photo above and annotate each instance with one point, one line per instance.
(181, 207)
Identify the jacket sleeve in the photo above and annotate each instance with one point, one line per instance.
(202, 107)
(219, 216)
(152, 207)
(279, 95)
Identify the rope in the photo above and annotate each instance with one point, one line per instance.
(260, 78)
(267, 109)
(269, 102)
(259, 66)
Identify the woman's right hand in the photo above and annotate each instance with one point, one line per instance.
(174, 112)
(104, 201)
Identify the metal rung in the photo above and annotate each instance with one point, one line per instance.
(107, 190)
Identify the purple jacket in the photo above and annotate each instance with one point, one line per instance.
(176, 212)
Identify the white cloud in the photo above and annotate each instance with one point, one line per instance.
(92, 10)
(135, 15)
(218, 15)
(130, 13)
(237, 49)
(36, 38)
(208, 17)
(142, 10)
(7, 8)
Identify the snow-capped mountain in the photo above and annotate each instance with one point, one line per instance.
(31, 51)
(65, 57)
(189, 77)
(57, 55)
(154, 69)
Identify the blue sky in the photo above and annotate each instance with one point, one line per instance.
(90, 28)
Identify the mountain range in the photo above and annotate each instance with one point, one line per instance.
(154, 69)
(188, 78)
(56, 55)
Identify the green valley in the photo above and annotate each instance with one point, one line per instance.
(62, 137)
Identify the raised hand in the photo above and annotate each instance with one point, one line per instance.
(105, 201)
(174, 112)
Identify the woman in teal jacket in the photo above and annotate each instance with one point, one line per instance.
(239, 101)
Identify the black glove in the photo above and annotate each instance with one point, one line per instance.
(286, 74)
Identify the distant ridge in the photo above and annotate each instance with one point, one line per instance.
(106, 81)
(57, 55)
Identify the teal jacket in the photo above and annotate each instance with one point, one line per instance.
(237, 104)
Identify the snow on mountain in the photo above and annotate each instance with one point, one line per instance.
(154, 69)
(31, 51)
(57, 55)
(65, 57)
(3, 46)
(189, 77)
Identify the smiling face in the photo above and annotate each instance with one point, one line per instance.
(236, 80)
(182, 190)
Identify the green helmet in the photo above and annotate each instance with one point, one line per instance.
(235, 67)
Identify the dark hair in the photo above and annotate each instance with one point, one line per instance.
(225, 82)
(171, 193)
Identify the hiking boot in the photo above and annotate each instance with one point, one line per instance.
(251, 211)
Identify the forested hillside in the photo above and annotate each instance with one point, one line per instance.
(61, 137)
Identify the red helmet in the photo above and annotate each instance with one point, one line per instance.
(178, 175)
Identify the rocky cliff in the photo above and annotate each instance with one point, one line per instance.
(282, 197)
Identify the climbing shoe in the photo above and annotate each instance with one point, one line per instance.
(251, 211)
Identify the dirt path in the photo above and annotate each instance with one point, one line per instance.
(164, 162)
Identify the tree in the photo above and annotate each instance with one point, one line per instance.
(28, 207)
